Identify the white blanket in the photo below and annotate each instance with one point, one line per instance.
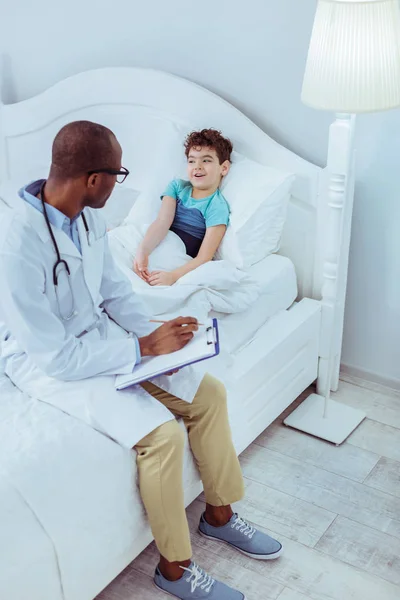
(216, 285)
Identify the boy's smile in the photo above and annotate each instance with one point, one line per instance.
(204, 171)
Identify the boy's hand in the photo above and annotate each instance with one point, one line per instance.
(140, 266)
(162, 278)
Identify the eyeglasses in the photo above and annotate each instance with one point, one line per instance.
(121, 174)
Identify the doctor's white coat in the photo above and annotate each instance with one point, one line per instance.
(72, 364)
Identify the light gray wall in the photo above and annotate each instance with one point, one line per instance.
(254, 56)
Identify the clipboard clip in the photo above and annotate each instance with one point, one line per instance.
(211, 336)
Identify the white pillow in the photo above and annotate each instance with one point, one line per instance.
(162, 170)
(118, 205)
(258, 197)
(145, 209)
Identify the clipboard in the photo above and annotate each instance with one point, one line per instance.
(204, 345)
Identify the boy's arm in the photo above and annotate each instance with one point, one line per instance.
(208, 248)
(154, 235)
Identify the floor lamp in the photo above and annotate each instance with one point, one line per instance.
(353, 66)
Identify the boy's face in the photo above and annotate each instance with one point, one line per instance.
(204, 170)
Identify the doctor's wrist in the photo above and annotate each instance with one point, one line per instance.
(145, 346)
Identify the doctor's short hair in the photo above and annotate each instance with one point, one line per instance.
(80, 147)
(210, 138)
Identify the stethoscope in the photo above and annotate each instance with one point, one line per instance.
(60, 262)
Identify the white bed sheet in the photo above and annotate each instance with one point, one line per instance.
(277, 276)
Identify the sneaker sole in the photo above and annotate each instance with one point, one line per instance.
(164, 592)
(173, 595)
(255, 556)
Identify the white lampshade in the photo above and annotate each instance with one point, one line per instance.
(353, 63)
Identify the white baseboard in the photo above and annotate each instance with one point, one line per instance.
(368, 378)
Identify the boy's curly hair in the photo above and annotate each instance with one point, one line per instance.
(209, 138)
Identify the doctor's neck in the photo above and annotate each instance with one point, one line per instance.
(65, 195)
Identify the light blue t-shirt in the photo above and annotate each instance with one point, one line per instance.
(194, 216)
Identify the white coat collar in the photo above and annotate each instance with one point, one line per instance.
(37, 220)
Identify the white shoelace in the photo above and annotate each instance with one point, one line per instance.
(198, 578)
(241, 525)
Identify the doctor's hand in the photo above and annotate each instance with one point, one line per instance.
(172, 373)
(170, 337)
(140, 266)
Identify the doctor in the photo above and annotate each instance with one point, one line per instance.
(72, 323)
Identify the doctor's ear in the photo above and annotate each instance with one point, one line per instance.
(92, 180)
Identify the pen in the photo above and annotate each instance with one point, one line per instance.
(158, 321)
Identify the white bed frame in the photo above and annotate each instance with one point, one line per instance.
(28, 127)
(290, 351)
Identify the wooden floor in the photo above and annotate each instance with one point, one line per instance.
(336, 511)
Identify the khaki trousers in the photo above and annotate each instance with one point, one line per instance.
(160, 464)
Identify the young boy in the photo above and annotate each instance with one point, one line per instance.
(195, 210)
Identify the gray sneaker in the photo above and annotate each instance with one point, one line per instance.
(196, 584)
(244, 537)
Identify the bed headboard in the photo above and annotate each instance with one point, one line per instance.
(112, 96)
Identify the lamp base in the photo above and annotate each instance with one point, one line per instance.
(340, 422)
